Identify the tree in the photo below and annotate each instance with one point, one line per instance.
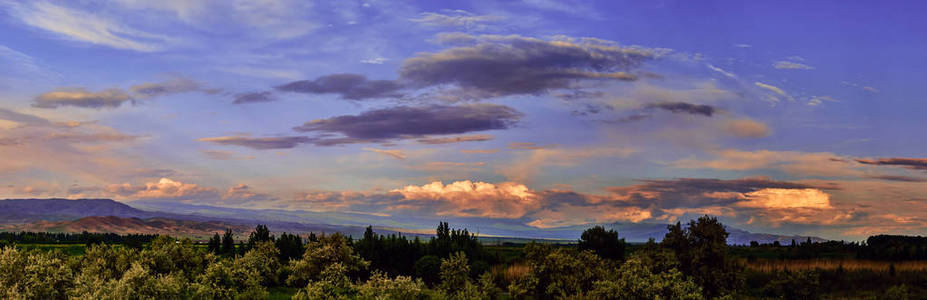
(455, 273)
(702, 252)
(228, 243)
(215, 244)
(428, 268)
(259, 235)
(321, 254)
(604, 243)
(637, 280)
(291, 247)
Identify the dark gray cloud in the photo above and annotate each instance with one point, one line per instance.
(899, 178)
(410, 122)
(260, 143)
(511, 65)
(254, 97)
(683, 107)
(348, 86)
(910, 163)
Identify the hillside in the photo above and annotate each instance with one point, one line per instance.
(111, 224)
(21, 211)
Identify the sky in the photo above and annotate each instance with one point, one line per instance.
(790, 117)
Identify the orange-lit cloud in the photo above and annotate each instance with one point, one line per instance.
(473, 199)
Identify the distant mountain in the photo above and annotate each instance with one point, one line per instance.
(111, 224)
(180, 218)
(20, 211)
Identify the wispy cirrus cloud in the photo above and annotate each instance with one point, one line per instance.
(457, 18)
(83, 26)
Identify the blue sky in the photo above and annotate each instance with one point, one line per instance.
(776, 116)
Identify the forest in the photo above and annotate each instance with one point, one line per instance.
(693, 261)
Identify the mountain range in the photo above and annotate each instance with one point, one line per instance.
(105, 215)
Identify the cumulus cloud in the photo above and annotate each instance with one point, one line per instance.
(80, 97)
(683, 107)
(910, 163)
(746, 128)
(254, 97)
(456, 139)
(471, 199)
(786, 198)
(260, 143)
(704, 192)
(410, 122)
(348, 86)
(165, 188)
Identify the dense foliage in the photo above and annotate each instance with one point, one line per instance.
(692, 262)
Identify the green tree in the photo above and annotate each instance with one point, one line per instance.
(455, 273)
(380, 286)
(215, 244)
(637, 281)
(702, 251)
(604, 243)
(428, 268)
(319, 255)
(228, 243)
(33, 275)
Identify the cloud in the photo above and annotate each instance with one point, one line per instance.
(777, 93)
(898, 178)
(397, 154)
(788, 65)
(513, 65)
(793, 162)
(722, 71)
(703, 192)
(260, 143)
(746, 128)
(80, 97)
(224, 155)
(169, 87)
(411, 122)
(85, 27)
(348, 86)
(479, 151)
(164, 189)
(456, 139)
(910, 163)
(787, 198)
(254, 97)
(457, 18)
(471, 199)
(683, 107)
(818, 100)
(115, 97)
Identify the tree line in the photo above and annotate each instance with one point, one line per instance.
(692, 261)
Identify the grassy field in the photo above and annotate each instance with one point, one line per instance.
(770, 265)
